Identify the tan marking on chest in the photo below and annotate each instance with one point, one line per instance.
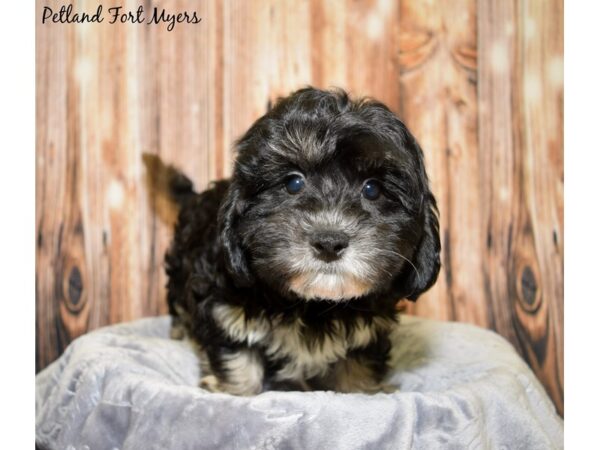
(306, 358)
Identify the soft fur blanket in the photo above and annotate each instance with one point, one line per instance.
(129, 386)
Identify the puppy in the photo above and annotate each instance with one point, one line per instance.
(286, 276)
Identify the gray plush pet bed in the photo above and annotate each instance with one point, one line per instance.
(130, 387)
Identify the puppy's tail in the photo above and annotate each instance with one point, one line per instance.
(168, 188)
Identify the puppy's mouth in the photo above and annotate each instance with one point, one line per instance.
(328, 286)
(343, 279)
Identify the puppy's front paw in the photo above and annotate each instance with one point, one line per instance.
(210, 383)
(177, 332)
(375, 388)
(389, 388)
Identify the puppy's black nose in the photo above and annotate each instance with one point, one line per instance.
(329, 244)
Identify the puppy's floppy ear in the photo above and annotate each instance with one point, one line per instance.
(426, 258)
(229, 216)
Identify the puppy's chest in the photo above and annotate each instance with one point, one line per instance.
(306, 351)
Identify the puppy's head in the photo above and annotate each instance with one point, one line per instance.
(330, 200)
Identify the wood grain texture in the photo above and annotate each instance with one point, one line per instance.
(478, 82)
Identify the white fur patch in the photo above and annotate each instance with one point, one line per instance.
(352, 376)
(244, 373)
(304, 361)
(233, 320)
(330, 286)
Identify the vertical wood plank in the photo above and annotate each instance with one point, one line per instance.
(421, 85)
(51, 143)
(328, 46)
(437, 55)
(371, 63)
(464, 247)
(498, 158)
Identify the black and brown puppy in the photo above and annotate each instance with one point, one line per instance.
(288, 273)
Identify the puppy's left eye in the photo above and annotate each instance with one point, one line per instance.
(371, 190)
(294, 184)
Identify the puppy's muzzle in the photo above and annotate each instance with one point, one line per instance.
(329, 245)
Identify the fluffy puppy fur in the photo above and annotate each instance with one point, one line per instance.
(287, 274)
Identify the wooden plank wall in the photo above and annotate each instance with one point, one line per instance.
(478, 82)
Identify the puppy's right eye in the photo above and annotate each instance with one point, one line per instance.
(371, 190)
(294, 184)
